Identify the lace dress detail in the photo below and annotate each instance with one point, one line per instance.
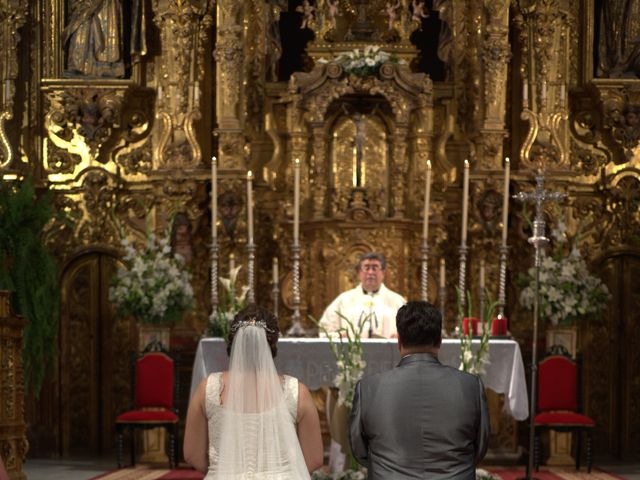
(215, 412)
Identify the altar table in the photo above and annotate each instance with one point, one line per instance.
(312, 362)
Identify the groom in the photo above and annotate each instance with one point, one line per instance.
(421, 419)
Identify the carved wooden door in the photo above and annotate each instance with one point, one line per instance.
(612, 356)
(95, 353)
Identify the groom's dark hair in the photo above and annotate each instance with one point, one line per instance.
(419, 324)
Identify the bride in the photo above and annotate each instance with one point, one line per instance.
(249, 422)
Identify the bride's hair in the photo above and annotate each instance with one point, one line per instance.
(259, 316)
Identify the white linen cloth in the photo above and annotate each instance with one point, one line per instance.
(378, 310)
(311, 361)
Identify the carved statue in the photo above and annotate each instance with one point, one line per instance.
(333, 12)
(307, 14)
(391, 10)
(274, 42)
(181, 237)
(619, 42)
(418, 11)
(94, 39)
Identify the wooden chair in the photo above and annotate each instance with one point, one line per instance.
(559, 405)
(155, 391)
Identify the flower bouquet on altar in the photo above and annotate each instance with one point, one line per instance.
(568, 291)
(232, 301)
(155, 288)
(365, 62)
(470, 361)
(346, 346)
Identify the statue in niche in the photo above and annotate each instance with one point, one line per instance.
(181, 243)
(94, 39)
(230, 205)
(619, 40)
(274, 41)
(489, 208)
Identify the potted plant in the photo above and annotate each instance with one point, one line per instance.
(153, 287)
(29, 271)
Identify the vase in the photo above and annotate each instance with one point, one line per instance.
(474, 325)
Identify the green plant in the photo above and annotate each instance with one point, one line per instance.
(231, 302)
(470, 361)
(29, 270)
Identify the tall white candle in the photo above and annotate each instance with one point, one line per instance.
(214, 197)
(427, 200)
(525, 92)
(482, 273)
(465, 202)
(249, 208)
(505, 201)
(232, 263)
(442, 274)
(562, 92)
(275, 271)
(296, 201)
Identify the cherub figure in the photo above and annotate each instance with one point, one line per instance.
(333, 12)
(307, 14)
(391, 13)
(418, 11)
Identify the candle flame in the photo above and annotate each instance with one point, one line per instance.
(214, 159)
(249, 175)
(297, 161)
(466, 163)
(428, 163)
(506, 160)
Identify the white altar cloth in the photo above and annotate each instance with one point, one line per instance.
(313, 363)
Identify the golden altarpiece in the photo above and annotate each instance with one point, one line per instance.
(128, 135)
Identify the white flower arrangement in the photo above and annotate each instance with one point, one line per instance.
(155, 287)
(231, 302)
(478, 361)
(568, 291)
(348, 353)
(364, 62)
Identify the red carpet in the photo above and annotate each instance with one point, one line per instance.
(143, 472)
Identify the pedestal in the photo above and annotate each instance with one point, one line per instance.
(13, 439)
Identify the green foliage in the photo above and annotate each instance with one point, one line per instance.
(231, 302)
(470, 361)
(30, 272)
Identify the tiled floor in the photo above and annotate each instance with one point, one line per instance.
(84, 469)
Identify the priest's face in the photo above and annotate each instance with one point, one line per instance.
(371, 275)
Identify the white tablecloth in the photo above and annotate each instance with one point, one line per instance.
(311, 361)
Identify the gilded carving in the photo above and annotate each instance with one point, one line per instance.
(620, 109)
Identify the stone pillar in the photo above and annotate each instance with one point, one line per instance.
(13, 439)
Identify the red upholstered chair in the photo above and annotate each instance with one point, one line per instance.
(559, 402)
(155, 380)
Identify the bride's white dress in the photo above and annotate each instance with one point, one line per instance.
(265, 455)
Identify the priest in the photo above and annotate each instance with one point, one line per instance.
(371, 303)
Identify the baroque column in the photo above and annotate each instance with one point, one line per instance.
(13, 14)
(183, 30)
(229, 56)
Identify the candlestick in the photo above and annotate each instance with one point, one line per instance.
(505, 201)
(232, 263)
(465, 204)
(296, 201)
(249, 208)
(214, 197)
(427, 200)
(275, 270)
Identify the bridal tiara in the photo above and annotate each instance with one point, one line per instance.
(252, 322)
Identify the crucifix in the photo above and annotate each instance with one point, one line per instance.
(359, 120)
(538, 240)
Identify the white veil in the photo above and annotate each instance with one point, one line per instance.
(258, 437)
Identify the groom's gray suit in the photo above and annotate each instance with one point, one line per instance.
(420, 420)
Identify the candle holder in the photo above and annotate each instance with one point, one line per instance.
(442, 294)
(502, 282)
(462, 279)
(296, 330)
(275, 294)
(424, 271)
(251, 251)
(214, 274)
